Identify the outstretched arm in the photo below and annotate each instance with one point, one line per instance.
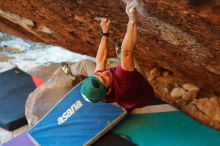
(129, 41)
(101, 56)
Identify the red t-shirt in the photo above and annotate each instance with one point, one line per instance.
(130, 89)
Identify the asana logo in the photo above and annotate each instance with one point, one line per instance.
(69, 112)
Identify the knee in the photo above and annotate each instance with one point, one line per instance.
(87, 62)
(87, 65)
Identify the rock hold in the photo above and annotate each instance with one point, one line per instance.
(190, 87)
(189, 95)
(214, 69)
(177, 92)
(154, 73)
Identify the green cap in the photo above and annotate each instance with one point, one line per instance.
(93, 90)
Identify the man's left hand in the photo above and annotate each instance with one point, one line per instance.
(105, 24)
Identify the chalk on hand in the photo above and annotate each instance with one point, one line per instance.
(134, 3)
(131, 10)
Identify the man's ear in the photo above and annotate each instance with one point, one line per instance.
(109, 91)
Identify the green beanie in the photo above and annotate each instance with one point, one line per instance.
(93, 90)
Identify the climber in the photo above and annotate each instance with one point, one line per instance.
(122, 84)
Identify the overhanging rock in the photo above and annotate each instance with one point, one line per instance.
(178, 44)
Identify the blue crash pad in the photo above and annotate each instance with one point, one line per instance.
(75, 122)
(15, 87)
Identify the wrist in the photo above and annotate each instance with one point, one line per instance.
(106, 34)
(104, 31)
(104, 37)
(132, 21)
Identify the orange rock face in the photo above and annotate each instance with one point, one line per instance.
(179, 38)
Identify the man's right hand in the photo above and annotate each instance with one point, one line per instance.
(131, 11)
(105, 24)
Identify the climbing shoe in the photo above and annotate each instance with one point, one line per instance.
(65, 67)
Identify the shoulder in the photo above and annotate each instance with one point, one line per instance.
(121, 70)
(123, 75)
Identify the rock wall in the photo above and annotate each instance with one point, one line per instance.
(178, 44)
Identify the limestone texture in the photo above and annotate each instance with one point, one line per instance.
(178, 43)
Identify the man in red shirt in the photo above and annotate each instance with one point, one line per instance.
(121, 84)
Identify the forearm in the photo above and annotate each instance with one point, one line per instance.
(101, 56)
(130, 38)
(128, 45)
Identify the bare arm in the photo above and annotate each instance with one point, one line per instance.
(129, 41)
(101, 56)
